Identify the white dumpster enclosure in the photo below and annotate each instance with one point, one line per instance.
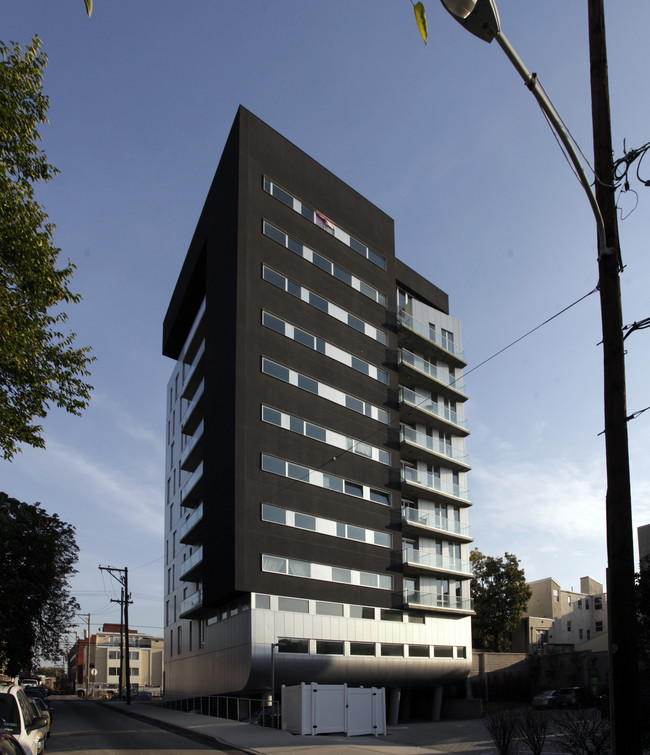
(333, 708)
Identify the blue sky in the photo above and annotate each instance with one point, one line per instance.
(444, 138)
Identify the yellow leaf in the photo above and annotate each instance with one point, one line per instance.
(89, 7)
(421, 18)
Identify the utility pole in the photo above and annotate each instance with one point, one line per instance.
(87, 674)
(122, 576)
(623, 636)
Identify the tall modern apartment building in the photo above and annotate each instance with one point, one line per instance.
(316, 496)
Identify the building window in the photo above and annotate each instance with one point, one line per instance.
(325, 391)
(418, 651)
(113, 670)
(180, 639)
(323, 526)
(291, 645)
(325, 572)
(333, 310)
(391, 649)
(323, 263)
(329, 647)
(388, 615)
(568, 626)
(329, 609)
(322, 479)
(599, 626)
(362, 612)
(443, 651)
(323, 222)
(362, 648)
(296, 605)
(598, 604)
(315, 343)
(461, 652)
(324, 435)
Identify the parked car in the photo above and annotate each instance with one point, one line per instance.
(545, 700)
(18, 718)
(41, 709)
(9, 745)
(40, 693)
(575, 697)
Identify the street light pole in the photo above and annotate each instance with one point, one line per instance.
(481, 18)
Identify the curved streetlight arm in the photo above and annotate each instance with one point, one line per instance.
(549, 110)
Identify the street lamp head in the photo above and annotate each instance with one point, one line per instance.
(480, 17)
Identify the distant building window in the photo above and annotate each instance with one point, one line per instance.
(418, 651)
(461, 652)
(323, 526)
(599, 626)
(598, 604)
(556, 595)
(324, 391)
(113, 670)
(393, 650)
(329, 609)
(388, 615)
(323, 222)
(323, 263)
(315, 343)
(568, 626)
(333, 310)
(325, 572)
(320, 479)
(324, 435)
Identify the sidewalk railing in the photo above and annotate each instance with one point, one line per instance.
(242, 709)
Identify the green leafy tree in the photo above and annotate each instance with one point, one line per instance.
(39, 553)
(39, 364)
(500, 599)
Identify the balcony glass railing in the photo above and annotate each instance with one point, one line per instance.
(191, 481)
(431, 482)
(194, 441)
(434, 445)
(422, 365)
(194, 560)
(188, 357)
(404, 318)
(194, 374)
(435, 522)
(193, 601)
(409, 396)
(437, 600)
(190, 523)
(192, 405)
(428, 560)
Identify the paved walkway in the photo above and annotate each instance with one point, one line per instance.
(464, 737)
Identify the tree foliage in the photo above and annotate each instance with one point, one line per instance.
(643, 611)
(500, 599)
(39, 553)
(39, 364)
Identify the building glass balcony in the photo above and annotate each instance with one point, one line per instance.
(454, 385)
(412, 517)
(192, 489)
(431, 339)
(438, 601)
(434, 484)
(435, 562)
(455, 457)
(190, 566)
(192, 602)
(188, 532)
(426, 409)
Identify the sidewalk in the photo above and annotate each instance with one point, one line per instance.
(461, 737)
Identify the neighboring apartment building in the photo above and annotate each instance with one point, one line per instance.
(103, 654)
(558, 620)
(316, 495)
